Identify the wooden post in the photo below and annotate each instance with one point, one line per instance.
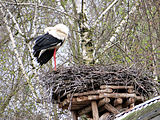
(103, 101)
(119, 107)
(104, 116)
(110, 108)
(118, 101)
(130, 90)
(128, 102)
(89, 108)
(131, 105)
(95, 110)
(74, 115)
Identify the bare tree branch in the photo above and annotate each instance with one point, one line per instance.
(105, 11)
(33, 4)
(17, 54)
(34, 21)
(119, 28)
(20, 31)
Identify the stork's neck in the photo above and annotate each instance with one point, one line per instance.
(58, 35)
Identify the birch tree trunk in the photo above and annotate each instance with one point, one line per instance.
(85, 33)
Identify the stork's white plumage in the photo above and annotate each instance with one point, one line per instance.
(47, 44)
(59, 31)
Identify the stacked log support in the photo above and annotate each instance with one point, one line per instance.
(74, 115)
(100, 104)
(95, 112)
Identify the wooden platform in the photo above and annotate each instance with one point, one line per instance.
(99, 104)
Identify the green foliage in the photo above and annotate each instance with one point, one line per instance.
(63, 3)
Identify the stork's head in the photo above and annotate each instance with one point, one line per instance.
(59, 31)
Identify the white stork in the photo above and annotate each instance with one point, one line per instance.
(47, 44)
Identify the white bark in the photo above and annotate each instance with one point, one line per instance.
(78, 5)
(118, 29)
(16, 51)
(113, 40)
(35, 69)
(105, 11)
(98, 20)
(155, 73)
(87, 50)
(34, 20)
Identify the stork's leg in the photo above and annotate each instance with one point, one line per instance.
(54, 55)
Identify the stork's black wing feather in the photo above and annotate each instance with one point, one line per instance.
(45, 56)
(45, 41)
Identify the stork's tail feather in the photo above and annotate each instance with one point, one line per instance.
(45, 56)
(36, 53)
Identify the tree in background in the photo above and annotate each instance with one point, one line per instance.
(101, 32)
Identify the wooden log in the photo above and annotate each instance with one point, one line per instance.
(89, 93)
(97, 97)
(117, 95)
(85, 110)
(101, 109)
(131, 105)
(129, 101)
(75, 105)
(130, 90)
(140, 98)
(104, 116)
(115, 87)
(79, 105)
(67, 101)
(74, 108)
(93, 97)
(89, 108)
(95, 113)
(74, 115)
(82, 98)
(111, 109)
(90, 118)
(103, 101)
(118, 101)
(119, 107)
(88, 98)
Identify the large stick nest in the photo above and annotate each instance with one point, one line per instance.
(76, 79)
